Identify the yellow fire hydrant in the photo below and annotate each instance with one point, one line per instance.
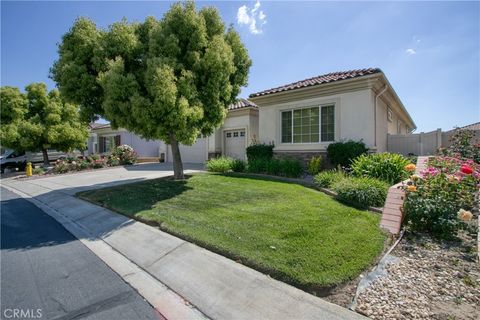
(28, 169)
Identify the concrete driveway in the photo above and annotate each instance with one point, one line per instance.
(92, 179)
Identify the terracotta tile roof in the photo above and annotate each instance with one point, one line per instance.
(326, 78)
(242, 103)
(95, 125)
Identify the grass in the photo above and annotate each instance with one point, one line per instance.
(295, 234)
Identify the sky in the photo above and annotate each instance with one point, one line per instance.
(429, 51)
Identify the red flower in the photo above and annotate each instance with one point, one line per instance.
(466, 169)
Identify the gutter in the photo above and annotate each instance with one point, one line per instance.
(375, 113)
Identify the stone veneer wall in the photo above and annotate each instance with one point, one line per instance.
(303, 156)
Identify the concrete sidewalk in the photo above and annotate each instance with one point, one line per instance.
(212, 285)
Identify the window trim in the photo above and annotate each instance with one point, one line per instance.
(319, 106)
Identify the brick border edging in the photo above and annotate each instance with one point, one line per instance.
(392, 213)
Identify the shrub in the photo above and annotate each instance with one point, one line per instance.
(343, 153)
(326, 179)
(221, 164)
(389, 167)
(464, 144)
(238, 165)
(274, 167)
(125, 154)
(291, 168)
(260, 151)
(434, 200)
(38, 171)
(257, 165)
(314, 165)
(361, 192)
(277, 167)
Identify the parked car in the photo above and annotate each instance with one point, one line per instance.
(18, 159)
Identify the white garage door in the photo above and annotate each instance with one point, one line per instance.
(196, 153)
(235, 143)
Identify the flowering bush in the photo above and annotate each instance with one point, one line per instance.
(436, 198)
(79, 163)
(463, 144)
(124, 154)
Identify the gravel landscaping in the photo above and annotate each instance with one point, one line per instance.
(431, 280)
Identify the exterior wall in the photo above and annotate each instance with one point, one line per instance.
(353, 120)
(144, 148)
(237, 119)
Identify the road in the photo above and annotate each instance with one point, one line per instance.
(46, 273)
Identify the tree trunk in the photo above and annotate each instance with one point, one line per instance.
(177, 159)
(46, 162)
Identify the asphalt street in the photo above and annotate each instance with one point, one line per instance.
(46, 273)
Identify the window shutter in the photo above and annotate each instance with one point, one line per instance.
(117, 140)
(101, 144)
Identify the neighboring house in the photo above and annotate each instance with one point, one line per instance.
(238, 130)
(304, 117)
(301, 119)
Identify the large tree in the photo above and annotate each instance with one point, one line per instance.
(170, 79)
(38, 120)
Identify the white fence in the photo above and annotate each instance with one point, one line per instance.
(420, 144)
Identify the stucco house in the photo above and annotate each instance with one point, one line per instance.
(301, 119)
(304, 117)
(239, 128)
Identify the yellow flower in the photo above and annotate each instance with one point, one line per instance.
(465, 215)
(410, 167)
(411, 188)
(415, 177)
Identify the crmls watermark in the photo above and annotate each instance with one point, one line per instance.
(22, 313)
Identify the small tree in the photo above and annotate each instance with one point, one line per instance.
(170, 79)
(38, 120)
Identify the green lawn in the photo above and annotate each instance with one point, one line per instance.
(293, 233)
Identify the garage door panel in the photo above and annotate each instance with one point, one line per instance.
(234, 142)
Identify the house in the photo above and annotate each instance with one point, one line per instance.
(240, 127)
(301, 119)
(304, 117)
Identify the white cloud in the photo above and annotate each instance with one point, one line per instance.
(410, 51)
(248, 17)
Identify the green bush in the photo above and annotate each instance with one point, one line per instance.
(389, 167)
(274, 167)
(326, 179)
(38, 171)
(291, 168)
(238, 165)
(343, 153)
(260, 151)
(361, 192)
(221, 164)
(277, 167)
(257, 166)
(314, 165)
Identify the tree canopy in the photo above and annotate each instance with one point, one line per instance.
(170, 79)
(38, 120)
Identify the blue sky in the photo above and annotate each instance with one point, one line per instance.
(430, 51)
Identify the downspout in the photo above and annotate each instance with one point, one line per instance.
(375, 114)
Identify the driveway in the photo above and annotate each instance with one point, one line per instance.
(49, 274)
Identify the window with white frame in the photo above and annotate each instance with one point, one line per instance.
(308, 125)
